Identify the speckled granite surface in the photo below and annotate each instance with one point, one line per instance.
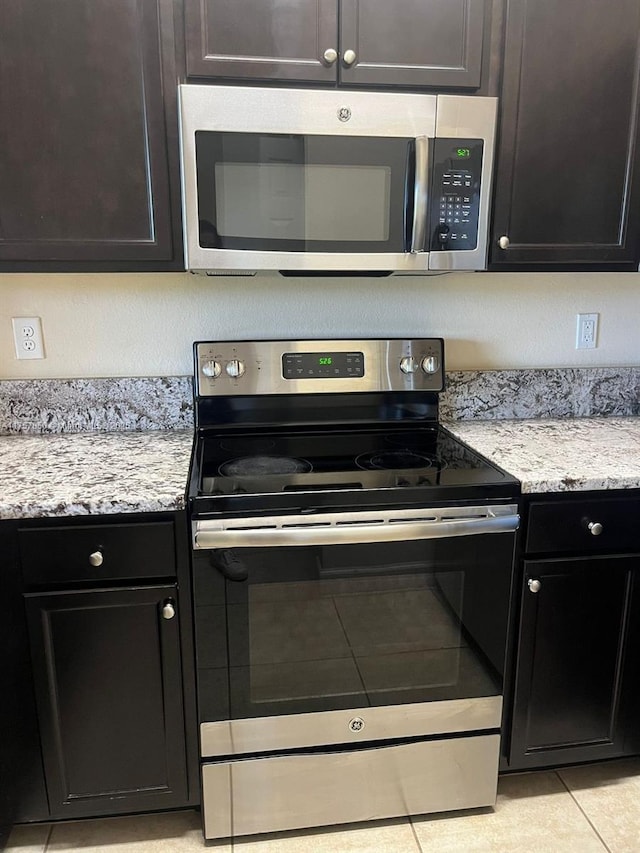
(78, 405)
(76, 446)
(560, 455)
(93, 473)
(553, 393)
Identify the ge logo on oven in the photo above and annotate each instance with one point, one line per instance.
(344, 113)
(356, 724)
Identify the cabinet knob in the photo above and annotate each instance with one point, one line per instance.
(349, 57)
(96, 559)
(534, 585)
(330, 55)
(595, 528)
(168, 610)
(503, 242)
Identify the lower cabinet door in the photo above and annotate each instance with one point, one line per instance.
(109, 694)
(574, 624)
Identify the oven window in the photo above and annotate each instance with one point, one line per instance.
(302, 193)
(327, 628)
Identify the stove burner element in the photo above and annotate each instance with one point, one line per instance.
(260, 466)
(390, 459)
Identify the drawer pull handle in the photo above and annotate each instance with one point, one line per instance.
(168, 610)
(595, 528)
(534, 585)
(96, 559)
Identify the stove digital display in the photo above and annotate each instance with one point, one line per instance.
(322, 365)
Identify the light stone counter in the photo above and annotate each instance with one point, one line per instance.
(93, 473)
(104, 473)
(565, 455)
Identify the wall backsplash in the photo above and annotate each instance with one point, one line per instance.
(124, 325)
(140, 404)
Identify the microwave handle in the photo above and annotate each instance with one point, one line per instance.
(420, 194)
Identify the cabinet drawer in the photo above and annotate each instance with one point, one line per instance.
(105, 552)
(562, 526)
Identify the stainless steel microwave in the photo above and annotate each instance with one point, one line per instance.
(301, 180)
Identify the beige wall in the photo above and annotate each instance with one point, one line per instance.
(143, 325)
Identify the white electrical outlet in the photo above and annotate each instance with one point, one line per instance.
(27, 336)
(587, 331)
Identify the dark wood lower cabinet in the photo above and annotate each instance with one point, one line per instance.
(22, 790)
(108, 684)
(631, 687)
(573, 641)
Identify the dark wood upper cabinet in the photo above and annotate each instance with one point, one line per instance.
(262, 39)
(84, 161)
(412, 43)
(568, 166)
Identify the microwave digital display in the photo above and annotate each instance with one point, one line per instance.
(322, 365)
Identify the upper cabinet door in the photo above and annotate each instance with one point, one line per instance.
(262, 39)
(568, 171)
(414, 43)
(84, 174)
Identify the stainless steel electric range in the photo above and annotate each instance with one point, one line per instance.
(353, 567)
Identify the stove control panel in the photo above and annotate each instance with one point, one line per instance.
(224, 368)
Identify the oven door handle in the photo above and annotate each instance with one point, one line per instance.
(278, 533)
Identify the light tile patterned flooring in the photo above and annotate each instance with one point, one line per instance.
(587, 809)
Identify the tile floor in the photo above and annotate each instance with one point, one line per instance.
(587, 809)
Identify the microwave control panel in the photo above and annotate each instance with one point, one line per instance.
(455, 203)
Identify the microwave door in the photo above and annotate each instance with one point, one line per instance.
(305, 202)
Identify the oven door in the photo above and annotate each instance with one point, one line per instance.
(305, 180)
(370, 612)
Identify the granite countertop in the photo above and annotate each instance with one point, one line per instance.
(93, 473)
(565, 455)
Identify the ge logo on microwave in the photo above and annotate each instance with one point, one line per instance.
(344, 113)
(356, 724)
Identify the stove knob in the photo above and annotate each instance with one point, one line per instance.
(212, 369)
(235, 368)
(408, 364)
(430, 363)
